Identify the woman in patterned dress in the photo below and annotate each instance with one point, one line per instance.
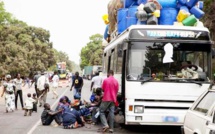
(9, 91)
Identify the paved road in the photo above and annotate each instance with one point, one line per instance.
(16, 123)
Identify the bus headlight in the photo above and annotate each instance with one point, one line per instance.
(138, 109)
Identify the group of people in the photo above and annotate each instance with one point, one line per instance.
(69, 114)
(102, 103)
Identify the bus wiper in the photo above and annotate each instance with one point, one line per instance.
(186, 81)
(142, 82)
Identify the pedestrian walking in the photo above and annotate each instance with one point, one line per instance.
(9, 92)
(18, 92)
(35, 102)
(43, 88)
(55, 82)
(36, 76)
(77, 83)
(29, 102)
(110, 87)
(96, 82)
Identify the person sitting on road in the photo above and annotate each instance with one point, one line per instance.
(48, 115)
(71, 118)
(29, 105)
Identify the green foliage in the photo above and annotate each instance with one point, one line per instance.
(25, 49)
(91, 54)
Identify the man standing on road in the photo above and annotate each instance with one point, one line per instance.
(55, 81)
(96, 82)
(36, 76)
(77, 83)
(18, 83)
(110, 87)
(43, 88)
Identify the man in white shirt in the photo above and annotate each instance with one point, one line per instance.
(43, 88)
(55, 81)
(96, 82)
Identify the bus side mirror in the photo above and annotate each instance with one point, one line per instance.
(213, 53)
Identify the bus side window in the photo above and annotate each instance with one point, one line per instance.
(119, 59)
(105, 63)
(112, 65)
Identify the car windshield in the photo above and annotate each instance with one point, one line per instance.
(167, 61)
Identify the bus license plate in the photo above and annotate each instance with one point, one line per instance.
(170, 119)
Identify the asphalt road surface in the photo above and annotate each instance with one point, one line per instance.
(16, 123)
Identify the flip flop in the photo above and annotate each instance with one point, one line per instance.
(104, 129)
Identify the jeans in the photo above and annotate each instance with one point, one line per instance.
(104, 106)
(19, 92)
(76, 90)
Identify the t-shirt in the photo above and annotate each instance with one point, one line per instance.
(55, 81)
(110, 87)
(77, 82)
(41, 82)
(29, 103)
(18, 83)
(45, 115)
(97, 81)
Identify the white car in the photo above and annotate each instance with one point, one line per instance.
(200, 118)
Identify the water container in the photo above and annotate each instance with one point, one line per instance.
(184, 8)
(168, 3)
(129, 3)
(142, 1)
(152, 20)
(132, 11)
(190, 21)
(131, 21)
(182, 2)
(150, 7)
(121, 19)
(197, 12)
(191, 3)
(182, 14)
(168, 16)
(200, 5)
(142, 15)
(97, 114)
(106, 32)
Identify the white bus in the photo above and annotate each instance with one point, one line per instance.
(162, 70)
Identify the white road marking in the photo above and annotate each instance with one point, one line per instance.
(39, 121)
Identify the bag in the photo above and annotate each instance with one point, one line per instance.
(119, 118)
(46, 85)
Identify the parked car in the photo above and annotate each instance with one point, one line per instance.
(200, 118)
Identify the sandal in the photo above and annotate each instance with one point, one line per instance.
(104, 129)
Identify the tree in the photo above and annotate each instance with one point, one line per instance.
(91, 54)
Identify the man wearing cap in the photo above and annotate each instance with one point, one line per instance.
(9, 91)
(43, 88)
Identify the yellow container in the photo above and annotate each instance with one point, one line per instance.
(156, 13)
(182, 15)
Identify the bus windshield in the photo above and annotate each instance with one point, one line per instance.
(61, 71)
(168, 61)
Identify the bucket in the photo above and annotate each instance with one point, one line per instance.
(142, 2)
(121, 19)
(150, 7)
(191, 3)
(168, 16)
(106, 32)
(132, 11)
(142, 15)
(197, 12)
(129, 3)
(190, 21)
(168, 3)
(182, 14)
(131, 21)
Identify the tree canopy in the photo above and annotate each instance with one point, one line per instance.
(25, 49)
(91, 54)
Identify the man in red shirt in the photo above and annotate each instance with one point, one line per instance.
(110, 87)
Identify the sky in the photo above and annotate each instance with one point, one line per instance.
(70, 22)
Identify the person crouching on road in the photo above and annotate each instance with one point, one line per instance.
(48, 115)
(9, 91)
(71, 118)
(29, 105)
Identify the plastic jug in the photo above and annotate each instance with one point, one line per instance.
(191, 3)
(152, 20)
(200, 5)
(182, 14)
(197, 12)
(142, 15)
(184, 8)
(190, 21)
